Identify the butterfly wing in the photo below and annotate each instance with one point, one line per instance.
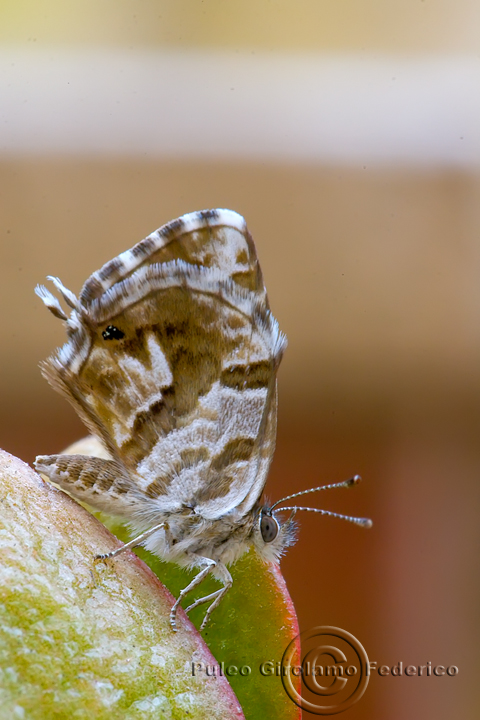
(172, 360)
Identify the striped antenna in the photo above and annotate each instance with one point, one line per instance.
(362, 522)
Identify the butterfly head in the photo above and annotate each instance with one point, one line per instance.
(272, 536)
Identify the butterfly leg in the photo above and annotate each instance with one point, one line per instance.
(215, 596)
(226, 578)
(205, 599)
(133, 543)
(223, 575)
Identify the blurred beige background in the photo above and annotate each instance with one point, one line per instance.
(347, 134)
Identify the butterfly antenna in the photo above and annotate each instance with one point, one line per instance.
(345, 484)
(363, 522)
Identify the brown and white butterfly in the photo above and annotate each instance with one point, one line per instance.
(171, 361)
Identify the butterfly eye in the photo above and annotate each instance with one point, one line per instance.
(112, 333)
(269, 528)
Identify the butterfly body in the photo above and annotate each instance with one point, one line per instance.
(171, 362)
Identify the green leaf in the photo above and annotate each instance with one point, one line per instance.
(251, 628)
(80, 639)
(249, 631)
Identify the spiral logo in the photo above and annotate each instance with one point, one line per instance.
(333, 669)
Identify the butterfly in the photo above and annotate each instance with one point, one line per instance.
(171, 361)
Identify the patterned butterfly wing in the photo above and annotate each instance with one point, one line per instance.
(172, 358)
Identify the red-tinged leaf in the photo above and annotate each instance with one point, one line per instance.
(83, 639)
(249, 631)
(251, 628)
